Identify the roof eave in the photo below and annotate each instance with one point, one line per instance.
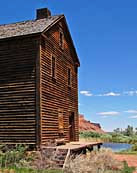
(20, 36)
(78, 62)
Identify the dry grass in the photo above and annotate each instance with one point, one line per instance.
(96, 162)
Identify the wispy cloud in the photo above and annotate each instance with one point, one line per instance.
(110, 94)
(131, 111)
(104, 116)
(133, 117)
(111, 113)
(131, 93)
(86, 93)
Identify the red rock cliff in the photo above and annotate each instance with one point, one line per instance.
(85, 125)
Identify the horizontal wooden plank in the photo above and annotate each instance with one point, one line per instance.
(17, 91)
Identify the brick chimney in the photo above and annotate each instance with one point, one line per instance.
(43, 13)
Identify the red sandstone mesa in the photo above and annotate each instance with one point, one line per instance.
(85, 125)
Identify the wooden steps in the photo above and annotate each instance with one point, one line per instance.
(60, 157)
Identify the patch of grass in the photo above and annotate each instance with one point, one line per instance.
(127, 169)
(27, 170)
(19, 160)
(128, 152)
(109, 137)
(112, 171)
(11, 156)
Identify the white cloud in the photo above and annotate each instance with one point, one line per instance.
(133, 117)
(110, 94)
(86, 93)
(113, 113)
(131, 111)
(131, 93)
(104, 116)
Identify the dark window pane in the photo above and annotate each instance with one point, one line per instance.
(53, 67)
(69, 77)
(61, 39)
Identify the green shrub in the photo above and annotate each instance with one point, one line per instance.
(17, 159)
(106, 137)
(127, 169)
(133, 140)
(28, 170)
(90, 134)
(134, 147)
(109, 137)
(13, 156)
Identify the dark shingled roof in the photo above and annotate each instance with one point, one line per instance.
(27, 27)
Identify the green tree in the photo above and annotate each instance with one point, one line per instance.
(117, 130)
(136, 131)
(129, 131)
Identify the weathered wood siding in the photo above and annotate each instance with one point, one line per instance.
(55, 93)
(18, 90)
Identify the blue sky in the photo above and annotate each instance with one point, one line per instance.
(105, 36)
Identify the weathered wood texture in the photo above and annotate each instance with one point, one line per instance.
(31, 101)
(55, 92)
(18, 90)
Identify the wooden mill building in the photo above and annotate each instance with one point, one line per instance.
(38, 81)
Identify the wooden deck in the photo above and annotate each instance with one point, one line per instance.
(63, 152)
(75, 146)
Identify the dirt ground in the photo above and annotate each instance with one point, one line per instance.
(131, 159)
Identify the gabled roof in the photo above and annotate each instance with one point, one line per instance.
(27, 27)
(32, 27)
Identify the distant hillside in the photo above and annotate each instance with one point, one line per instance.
(85, 125)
